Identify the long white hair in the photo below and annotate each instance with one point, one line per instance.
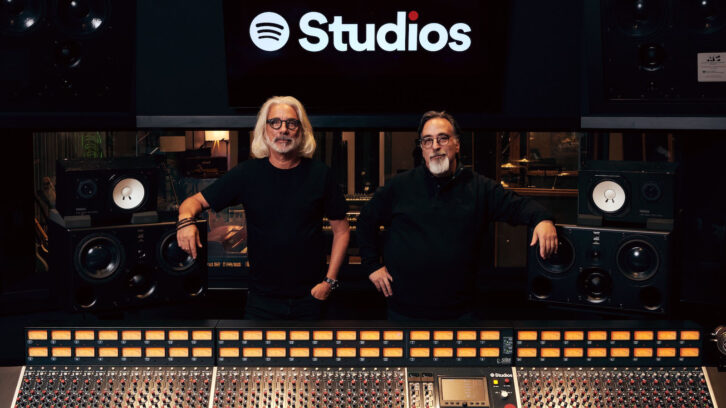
(259, 147)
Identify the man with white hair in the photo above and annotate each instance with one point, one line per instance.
(436, 218)
(285, 195)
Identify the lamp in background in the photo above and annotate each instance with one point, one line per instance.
(216, 136)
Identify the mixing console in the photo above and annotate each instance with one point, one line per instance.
(378, 365)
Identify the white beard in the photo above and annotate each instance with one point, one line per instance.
(287, 148)
(439, 167)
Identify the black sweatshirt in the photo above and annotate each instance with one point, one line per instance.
(434, 228)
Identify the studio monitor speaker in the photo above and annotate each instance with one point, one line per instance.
(106, 189)
(604, 268)
(665, 50)
(625, 193)
(63, 56)
(102, 268)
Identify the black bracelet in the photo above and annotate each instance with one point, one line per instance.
(183, 223)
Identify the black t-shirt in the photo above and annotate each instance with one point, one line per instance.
(284, 210)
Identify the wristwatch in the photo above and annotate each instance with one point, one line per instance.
(334, 284)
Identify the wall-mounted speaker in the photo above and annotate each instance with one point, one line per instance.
(109, 190)
(625, 193)
(604, 268)
(651, 49)
(66, 56)
(103, 268)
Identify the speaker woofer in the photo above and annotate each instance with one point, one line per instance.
(595, 285)
(706, 16)
(609, 196)
(20, 16)
(128, 194)
(560, 262)
(82, 17)
(637, 260)
(541, 287)
(172, 258)
(639, 18)
(98, 257)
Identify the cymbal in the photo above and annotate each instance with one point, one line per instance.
(511, 166)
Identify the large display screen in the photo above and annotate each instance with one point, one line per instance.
(368, 57)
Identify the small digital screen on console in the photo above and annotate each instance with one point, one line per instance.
(470, 391)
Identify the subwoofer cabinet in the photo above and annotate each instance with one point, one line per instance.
(604, 268)
(110, 267)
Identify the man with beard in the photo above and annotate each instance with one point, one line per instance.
(285, 195)
(436, 219)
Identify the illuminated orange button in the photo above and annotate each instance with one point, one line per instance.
(573, 352)
(419, 352)
(597, 352)
(443, 352)
(108, 335)
(201, 335)
(228, 352)
(526, 352)
(689, 352)
(322, 335)
(61, 351)
(419, 335)
(155, 352)
(549, 352)
(37, 335)
(574, 335)
(276, 335)
(38, 351)
(299, 352)
(667, 335)
(619, 352)
(620, 335)
(345, 352)
(131, 335)
(155, 335)
(178, 335)
(346, 335)
(299, 335)
(108, 352)
(666, 352)
(466, 351)
(690, 335)
(488, 352)
(489, 335)
(642, 352)
(229, 335)
(252, 352)
(597, 335)
(326, 352)
(466, 335)
(370, 352)
(550, 335)
(443, 335)
(178, 352)
(85, 352)
(276, 352)
(643, 335)
(393, 335)
(252, 335)
(131, 352)
(370, 335)
(527, 335)
(392, 352)
(85, 335)
(201, 352)
(60, 334)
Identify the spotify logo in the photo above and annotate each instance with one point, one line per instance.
(269, 31)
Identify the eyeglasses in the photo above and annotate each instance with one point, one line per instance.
(276, 123)
(427, 142)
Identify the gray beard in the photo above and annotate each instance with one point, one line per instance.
(283, 149)
(439, 167)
